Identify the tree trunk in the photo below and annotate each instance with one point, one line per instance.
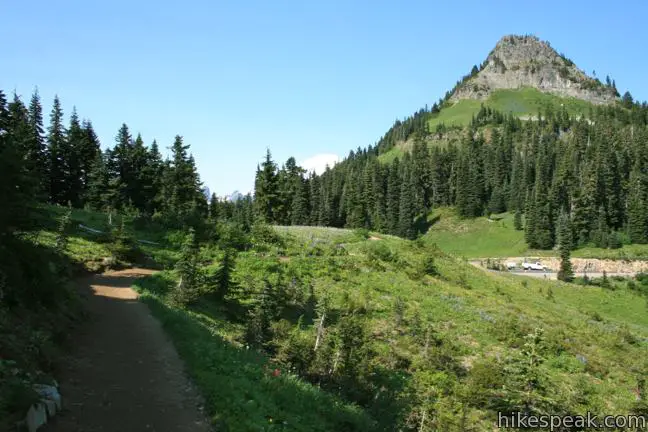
(320, 331)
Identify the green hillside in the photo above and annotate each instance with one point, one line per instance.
(402, 319)
(497, 237)
(407, 330)
(521, 102)
(524, 103)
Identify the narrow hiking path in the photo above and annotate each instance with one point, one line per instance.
(123, 374)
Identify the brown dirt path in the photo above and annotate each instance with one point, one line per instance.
(123, 374)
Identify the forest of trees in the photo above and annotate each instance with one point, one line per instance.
(62, 163)
(594, 170)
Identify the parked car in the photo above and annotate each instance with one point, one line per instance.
(511, 265)
(533, 266)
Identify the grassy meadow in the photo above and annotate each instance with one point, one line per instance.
(431, 322)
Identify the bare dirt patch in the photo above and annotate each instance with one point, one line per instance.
(123, 373)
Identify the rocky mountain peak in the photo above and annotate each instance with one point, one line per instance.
(526, 61)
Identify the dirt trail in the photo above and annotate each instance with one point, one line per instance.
(124, 374)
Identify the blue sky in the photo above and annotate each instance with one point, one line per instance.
(303, 78)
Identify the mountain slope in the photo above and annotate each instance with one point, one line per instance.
(522, 76)
(526, 61)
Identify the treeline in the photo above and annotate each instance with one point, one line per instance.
(64, 164)
(593, 169)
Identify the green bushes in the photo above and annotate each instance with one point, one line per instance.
(409, 350)
(36, 309)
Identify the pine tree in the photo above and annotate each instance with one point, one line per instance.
(406, 204)
(517, 220)
(140, 188)
(637, 207)
(265, 190)
(153, 175)
(182, 184)
(57, 149)
(74, 154)
(88, 153)
(223, 278)
(120, 170)
(565, 245)
(214, 208)
(299, 205)
(36, 152)
(314, 183)
(16, 187)
(421, 181)
(464, 196)
(379, 218)
(186, 291)
(393, 197)
(355, 217)
(98, 193)
(600, 235)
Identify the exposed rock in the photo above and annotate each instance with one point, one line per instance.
(36, 417)
(526, 61)
(50, 393)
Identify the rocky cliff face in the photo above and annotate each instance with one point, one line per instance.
(526, 61)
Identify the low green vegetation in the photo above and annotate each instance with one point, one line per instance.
(476, 238)
(38, 302)
(496, 237)
(329, 329)
(521, 102)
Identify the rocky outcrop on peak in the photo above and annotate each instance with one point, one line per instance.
(526, 61)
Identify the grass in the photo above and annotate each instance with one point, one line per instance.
(521, 102)
(498, 238)
(596, 337)
(238, 385)
(524, 102)
(87, 249)
(480, 317)
(476, 238)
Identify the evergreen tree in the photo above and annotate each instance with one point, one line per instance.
(98, 192)
(16, 187)
(406, 227)
(565, 244)
(139, 190)
(58, 169)
(637, 207)
(74, 179)
(299, 205)
(393, 197)
(265, 190)
(186, 291)
(379, 217)
(214, 208)
(120, 170)
(517, 220)
(153, 175)
(355, 217)
(36, 152)
(421, 182)
(223, 277)
(185, 196)
(315, 186)
(88, 152)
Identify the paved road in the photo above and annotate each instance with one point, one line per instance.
(554, 275)
(124, 375)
